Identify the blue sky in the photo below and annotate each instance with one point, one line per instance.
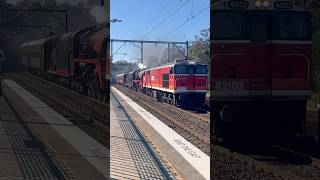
(149, 20)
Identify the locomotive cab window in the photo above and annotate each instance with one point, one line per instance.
(260, 28)
(227, 25)
(180, 69)
(293, 26)
(190, 69)
(200, 69)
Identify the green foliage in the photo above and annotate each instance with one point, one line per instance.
(314, 8)
(316, 60)
(122, 62)
(199, 49)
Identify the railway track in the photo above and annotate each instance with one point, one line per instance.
(192, 127)
(88, 114)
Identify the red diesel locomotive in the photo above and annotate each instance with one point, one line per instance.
(78, 60)
(261, 57)
(175, 83)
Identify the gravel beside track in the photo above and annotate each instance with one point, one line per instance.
(192, 126)
(227, 165)
(265, 162)
(90, 115)
(301, 165)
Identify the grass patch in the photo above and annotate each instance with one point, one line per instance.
(313, 101)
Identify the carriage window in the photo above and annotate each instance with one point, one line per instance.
(200, 69)
(293, 26)
(227, 26)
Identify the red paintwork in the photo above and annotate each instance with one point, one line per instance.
(177, 83)
(263, 67)
(260, 69)
(96, 42)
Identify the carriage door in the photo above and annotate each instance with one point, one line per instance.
(260, 70)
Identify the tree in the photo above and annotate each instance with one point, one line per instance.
(314, 8)
(199, 49)
(122, 62)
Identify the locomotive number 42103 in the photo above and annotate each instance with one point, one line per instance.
(228, 86)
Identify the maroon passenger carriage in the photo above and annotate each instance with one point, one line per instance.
(261, 57)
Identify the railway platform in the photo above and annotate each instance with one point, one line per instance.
(36, 142)
(174, 156)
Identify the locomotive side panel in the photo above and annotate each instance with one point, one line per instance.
(164, 82)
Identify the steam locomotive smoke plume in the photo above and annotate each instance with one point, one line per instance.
(96, 11)
(141, 66)
(73, 2)
(99, 13)
(13, 1)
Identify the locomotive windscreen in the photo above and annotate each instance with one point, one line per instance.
(293, 26)
(260, 26)
(183, 69)
(200, 69)
(227, 25)
(190, 69)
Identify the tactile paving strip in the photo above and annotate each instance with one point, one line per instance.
(130, 157)
(30, 154)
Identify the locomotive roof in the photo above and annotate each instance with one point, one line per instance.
(224, 5)
(73, 33)
(121, 74)
(25, 44)
(38, 41)
(131, 72)
(174, 63)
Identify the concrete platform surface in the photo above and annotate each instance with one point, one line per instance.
(76, 154)
(21, 155)
(130, 157)
(189, 161)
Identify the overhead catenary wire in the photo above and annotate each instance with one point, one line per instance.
(177, 8)
(160, 12)
(119, 49)
(156, 15)
(162, 9)
(188, 20)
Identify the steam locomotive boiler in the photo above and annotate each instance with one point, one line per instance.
(78, 60)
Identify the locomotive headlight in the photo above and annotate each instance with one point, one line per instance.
(258, 3)
(266, 4)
